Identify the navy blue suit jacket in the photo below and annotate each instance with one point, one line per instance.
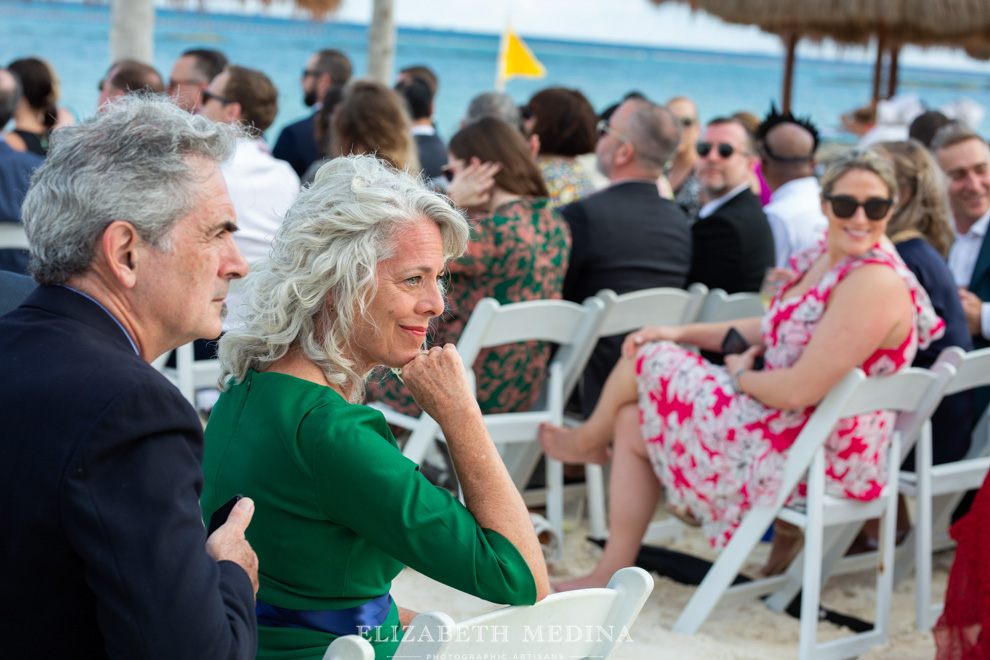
(100, 478)
(296, 145)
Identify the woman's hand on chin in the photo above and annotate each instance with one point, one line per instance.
(439, 384)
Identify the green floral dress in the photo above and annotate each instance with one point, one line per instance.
(519, 252)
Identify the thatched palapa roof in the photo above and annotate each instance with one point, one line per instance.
(922, 22)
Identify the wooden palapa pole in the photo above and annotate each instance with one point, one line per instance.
(791, 41)
(878, 68)
(895, 49)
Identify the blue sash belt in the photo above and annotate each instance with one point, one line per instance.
(348, 621)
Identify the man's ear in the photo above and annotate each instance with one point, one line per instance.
(625, 153)
(119, 244)
(234, 111)
(534, 145)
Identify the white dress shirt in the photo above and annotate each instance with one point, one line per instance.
(795, 217)
(962, 260)
(262, 189)
(716, 204)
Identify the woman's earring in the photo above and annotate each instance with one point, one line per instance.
(333, 308)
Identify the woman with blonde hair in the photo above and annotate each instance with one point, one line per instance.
(353, 283)
(519, 250)
(717, 437)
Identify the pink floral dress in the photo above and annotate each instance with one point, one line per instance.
(720, 453)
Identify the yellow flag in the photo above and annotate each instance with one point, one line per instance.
(516, 59)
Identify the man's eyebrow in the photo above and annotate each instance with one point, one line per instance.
(229, 225)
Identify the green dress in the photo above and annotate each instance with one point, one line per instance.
(339, 511)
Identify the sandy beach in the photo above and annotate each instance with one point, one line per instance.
(746, 632)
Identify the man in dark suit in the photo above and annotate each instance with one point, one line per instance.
(430, 148)
(100, 474)
(16, 168)
(626, 237)
(733, 242)
(296, 144)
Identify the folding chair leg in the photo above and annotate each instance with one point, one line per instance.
(813, 541)
(555, 504)
(595, 482)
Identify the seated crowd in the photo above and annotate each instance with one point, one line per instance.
(369, 241)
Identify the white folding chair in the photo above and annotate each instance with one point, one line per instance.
(623, 314)
(588, 623)
(573, 328)
(722, 306)
(12, 236)
(913, 393)
(938, 489)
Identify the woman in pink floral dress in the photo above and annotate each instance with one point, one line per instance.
(717, 437)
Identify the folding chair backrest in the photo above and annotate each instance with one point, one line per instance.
(972, 369)
(913, 391)
(659, 306)
(12, 236)
(588, 623)
(722, 306)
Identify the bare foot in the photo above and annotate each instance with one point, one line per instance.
(565, 445)
(586, 582)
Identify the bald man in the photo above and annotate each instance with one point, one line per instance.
(787, 155)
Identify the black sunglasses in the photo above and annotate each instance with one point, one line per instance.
(207, 95)
(687, 122)
(447, 172)
(844, 206)
(724, 149)
(310, 72)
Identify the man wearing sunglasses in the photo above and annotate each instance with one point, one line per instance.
(626, 237)
(787, 159)
(296, 144)
(733, 244)
(261, 187)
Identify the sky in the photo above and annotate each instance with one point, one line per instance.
(671, 25)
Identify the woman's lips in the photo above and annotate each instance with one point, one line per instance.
(415, 330)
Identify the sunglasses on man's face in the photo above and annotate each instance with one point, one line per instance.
(724, 149)
(208, 96)
(844, 206)
(686, 122)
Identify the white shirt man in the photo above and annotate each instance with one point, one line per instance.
(261, 187)
(795, 217)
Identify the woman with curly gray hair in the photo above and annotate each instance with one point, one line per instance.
(352, 283)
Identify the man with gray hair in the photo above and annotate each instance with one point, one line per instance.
(626, 237)
(493, 104)
(131, 244)
(16, 168)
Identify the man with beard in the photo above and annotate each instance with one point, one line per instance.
(733, 242)
(296, 144)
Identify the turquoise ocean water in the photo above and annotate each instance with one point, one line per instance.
(74, 39)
